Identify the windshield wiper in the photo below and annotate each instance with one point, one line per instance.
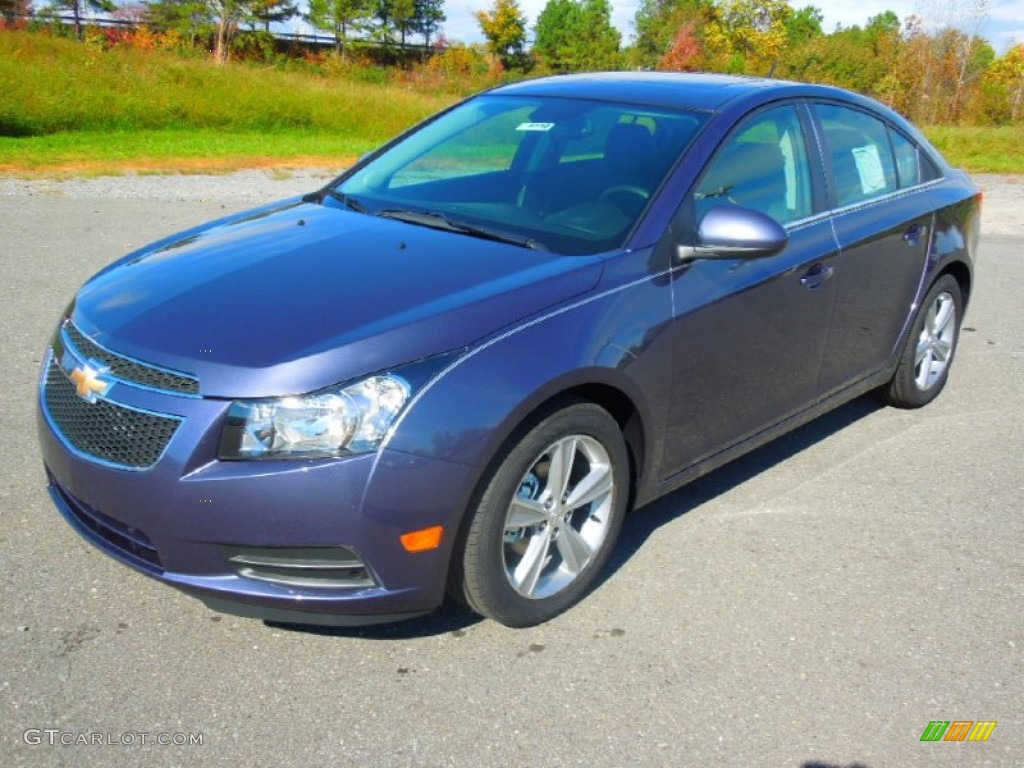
(347, 200)
(441, 221)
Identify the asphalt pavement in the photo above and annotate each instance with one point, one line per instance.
(816, 603)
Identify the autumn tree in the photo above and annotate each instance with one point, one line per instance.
(1003, 86)
(686, 52)
(961, 60)
(576, 36)
(969, 48)
(862, 59)
(338, 17)
(199, 19)
(13, 10)
(504, 26)
(749, 36)
(658, 26)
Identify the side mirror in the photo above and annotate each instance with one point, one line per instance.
(735, 232)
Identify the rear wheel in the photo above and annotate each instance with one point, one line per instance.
(928, 354)
(548, 518)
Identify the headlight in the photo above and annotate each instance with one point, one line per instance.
(336, 422)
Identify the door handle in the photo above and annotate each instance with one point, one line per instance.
(817, 276)
(913, 235)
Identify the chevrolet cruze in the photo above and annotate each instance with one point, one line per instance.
(452, 370)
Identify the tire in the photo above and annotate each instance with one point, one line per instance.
(548, 518)
(928, 353)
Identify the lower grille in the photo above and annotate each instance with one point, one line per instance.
(127, 540)
(112, 433)
(329, 567)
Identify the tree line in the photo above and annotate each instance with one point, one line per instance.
(936, 70)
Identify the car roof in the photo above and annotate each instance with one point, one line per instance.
(708, 92)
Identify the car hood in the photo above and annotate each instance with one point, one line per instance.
(295, 297)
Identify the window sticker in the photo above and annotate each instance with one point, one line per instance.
(869, 167)
(535, 126)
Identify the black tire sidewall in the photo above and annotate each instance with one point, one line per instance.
(485, 584)
(902, 392)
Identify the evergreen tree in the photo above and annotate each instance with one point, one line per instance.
(429, 18)
(339, 17)
(77, 7)
(577, 36)
(267, 12)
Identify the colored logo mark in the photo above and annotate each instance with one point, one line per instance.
(88, 383)
(958, 730)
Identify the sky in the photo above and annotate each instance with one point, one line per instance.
(1004, 27)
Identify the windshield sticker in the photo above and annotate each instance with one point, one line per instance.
(535, 126)
(869, 166)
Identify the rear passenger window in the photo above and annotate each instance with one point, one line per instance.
(763, 166)
(860, 154)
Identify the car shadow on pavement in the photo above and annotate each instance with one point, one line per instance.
(453, 618)
(641, 523)
(450, 617)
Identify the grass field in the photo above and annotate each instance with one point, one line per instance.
(69, 106)
(66, 107)
(981, 149)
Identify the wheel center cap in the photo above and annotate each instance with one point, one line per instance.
(553, 512)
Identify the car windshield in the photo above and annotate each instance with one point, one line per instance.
(570, 176)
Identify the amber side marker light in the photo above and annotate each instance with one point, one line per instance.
(423, 540)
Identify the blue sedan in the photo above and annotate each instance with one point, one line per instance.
(451, 371)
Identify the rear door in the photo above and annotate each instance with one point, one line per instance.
(877, 182)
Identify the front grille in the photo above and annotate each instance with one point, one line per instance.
(131, 370)
(126, 539)
(112, 433)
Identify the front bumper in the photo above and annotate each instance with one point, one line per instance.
(185, 519)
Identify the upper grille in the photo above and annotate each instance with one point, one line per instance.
(131, 370)
(107, 431)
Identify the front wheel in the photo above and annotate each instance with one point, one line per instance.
(924, 365)
(548, 518)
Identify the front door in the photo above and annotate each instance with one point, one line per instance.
(749, 334)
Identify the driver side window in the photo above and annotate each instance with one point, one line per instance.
(762, 166)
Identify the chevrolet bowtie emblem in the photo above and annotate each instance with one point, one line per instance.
(88, 383)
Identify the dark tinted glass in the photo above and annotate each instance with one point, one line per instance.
(762, 166)
(861, 157)
(907, 164)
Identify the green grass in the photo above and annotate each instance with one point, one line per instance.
(981, 149)
(65, 104)
(197, 150)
